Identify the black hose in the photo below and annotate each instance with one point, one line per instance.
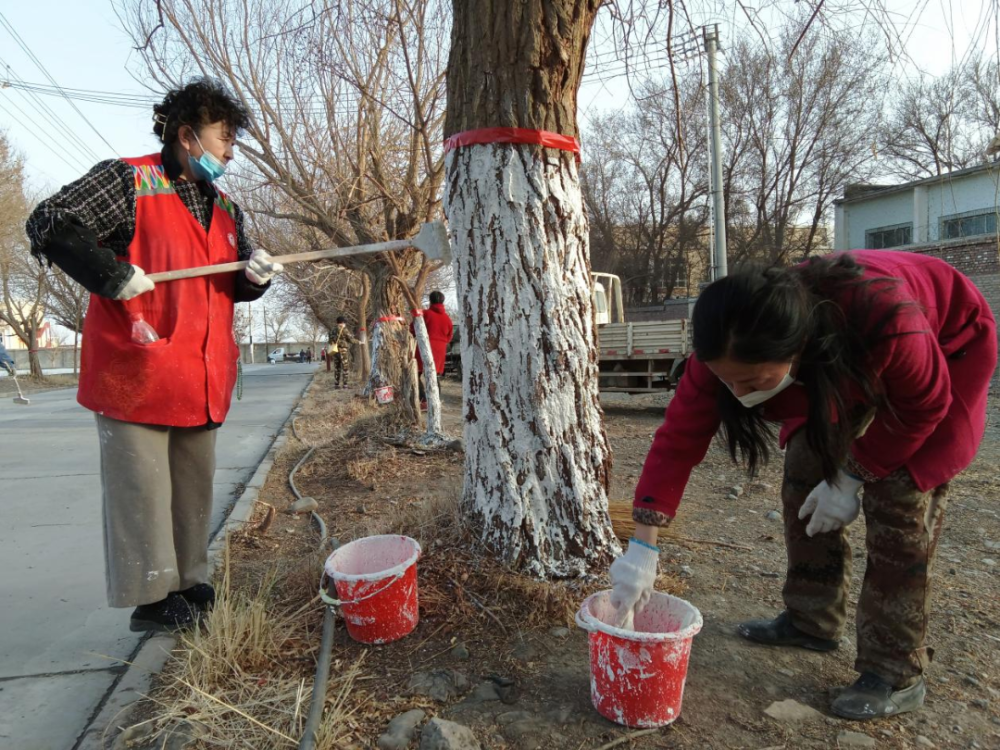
(308, 741)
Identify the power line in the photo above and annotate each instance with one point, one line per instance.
(31, 55)
(40, 139)
(49, 115)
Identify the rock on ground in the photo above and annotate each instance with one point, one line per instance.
(441, 684)
(401, 730)
(854, 739)
(439, 734)
(789, 710)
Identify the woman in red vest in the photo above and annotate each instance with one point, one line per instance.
(877, 366)
(159, 362)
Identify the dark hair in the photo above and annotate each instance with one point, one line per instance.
(341, 319)
(437, 298)
(760, 314)
(200, 102)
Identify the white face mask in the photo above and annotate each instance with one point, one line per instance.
(756, 398)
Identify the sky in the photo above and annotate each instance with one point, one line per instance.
(81, 45)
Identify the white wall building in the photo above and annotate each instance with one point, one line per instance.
(952, 208)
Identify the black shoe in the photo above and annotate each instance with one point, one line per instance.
(871, 697)
(164, 616)
(201, 596)
(781, 632)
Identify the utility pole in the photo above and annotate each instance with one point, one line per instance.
(719, 262)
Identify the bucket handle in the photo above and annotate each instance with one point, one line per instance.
(330, 601)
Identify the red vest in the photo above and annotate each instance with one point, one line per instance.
(186, 378)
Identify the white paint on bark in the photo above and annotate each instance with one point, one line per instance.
(378, 377)
(430, 381)
(537, 456)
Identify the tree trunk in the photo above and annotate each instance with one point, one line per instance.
(389, 334)
(363, 301)
(430, 378)
(537, 456)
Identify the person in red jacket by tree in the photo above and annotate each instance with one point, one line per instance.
(877, 366)
(159, 361)
(439, 331)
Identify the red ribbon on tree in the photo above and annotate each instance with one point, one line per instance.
(544, 138)
(417, 313)
(392, 319)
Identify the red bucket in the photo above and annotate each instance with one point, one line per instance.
(376, 586)
(637, 677)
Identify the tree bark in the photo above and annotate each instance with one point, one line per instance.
(364, 325)
(430, 378)
(388, 338)
(537, 456)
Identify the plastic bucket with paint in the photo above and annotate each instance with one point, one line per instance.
(384, 394)
(375, 583)
(637, 676)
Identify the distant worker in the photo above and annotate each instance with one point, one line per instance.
(439, 331)
(6, 362)
(338, 351)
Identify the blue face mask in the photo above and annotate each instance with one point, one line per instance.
(206, 166)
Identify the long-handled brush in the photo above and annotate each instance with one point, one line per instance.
(20, 398)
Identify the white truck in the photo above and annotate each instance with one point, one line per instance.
(640, 357)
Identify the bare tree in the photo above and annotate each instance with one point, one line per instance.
(22, 280)
(346, 102)
(799, 127)
(646, 183)
(936, 125)
(67, 305)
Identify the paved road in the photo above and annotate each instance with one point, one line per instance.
(58, 639)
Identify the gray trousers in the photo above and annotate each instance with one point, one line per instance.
(157, 486)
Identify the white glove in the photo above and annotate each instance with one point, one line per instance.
(262, 267)
(832, 506)
(138, 284)
(632, 578)
(9, 367)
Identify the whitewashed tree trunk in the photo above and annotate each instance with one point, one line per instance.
(430, 379)
(380, 375)
(537, 456)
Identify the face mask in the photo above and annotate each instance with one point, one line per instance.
(206, 166)
(756, 398)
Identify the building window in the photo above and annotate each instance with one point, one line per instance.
(885, 237)
(971, 224)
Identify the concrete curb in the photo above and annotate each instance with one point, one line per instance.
(135, 681)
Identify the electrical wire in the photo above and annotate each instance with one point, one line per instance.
(49, 115)
(31, 55)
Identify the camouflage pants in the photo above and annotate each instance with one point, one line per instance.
(903, 527)
(340, 367)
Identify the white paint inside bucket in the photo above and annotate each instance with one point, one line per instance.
(373, 558)
(665, 618)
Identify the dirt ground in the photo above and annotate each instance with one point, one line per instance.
(31, 385)
(486, 626)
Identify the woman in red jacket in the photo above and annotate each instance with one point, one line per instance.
(439, 331)
(877, 366)
(159, 361)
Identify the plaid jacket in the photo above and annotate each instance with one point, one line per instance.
(84, 226)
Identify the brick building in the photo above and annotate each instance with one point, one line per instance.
(952, 217)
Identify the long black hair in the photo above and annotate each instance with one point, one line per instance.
(775, 314)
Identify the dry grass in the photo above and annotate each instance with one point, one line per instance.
(245, 678)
